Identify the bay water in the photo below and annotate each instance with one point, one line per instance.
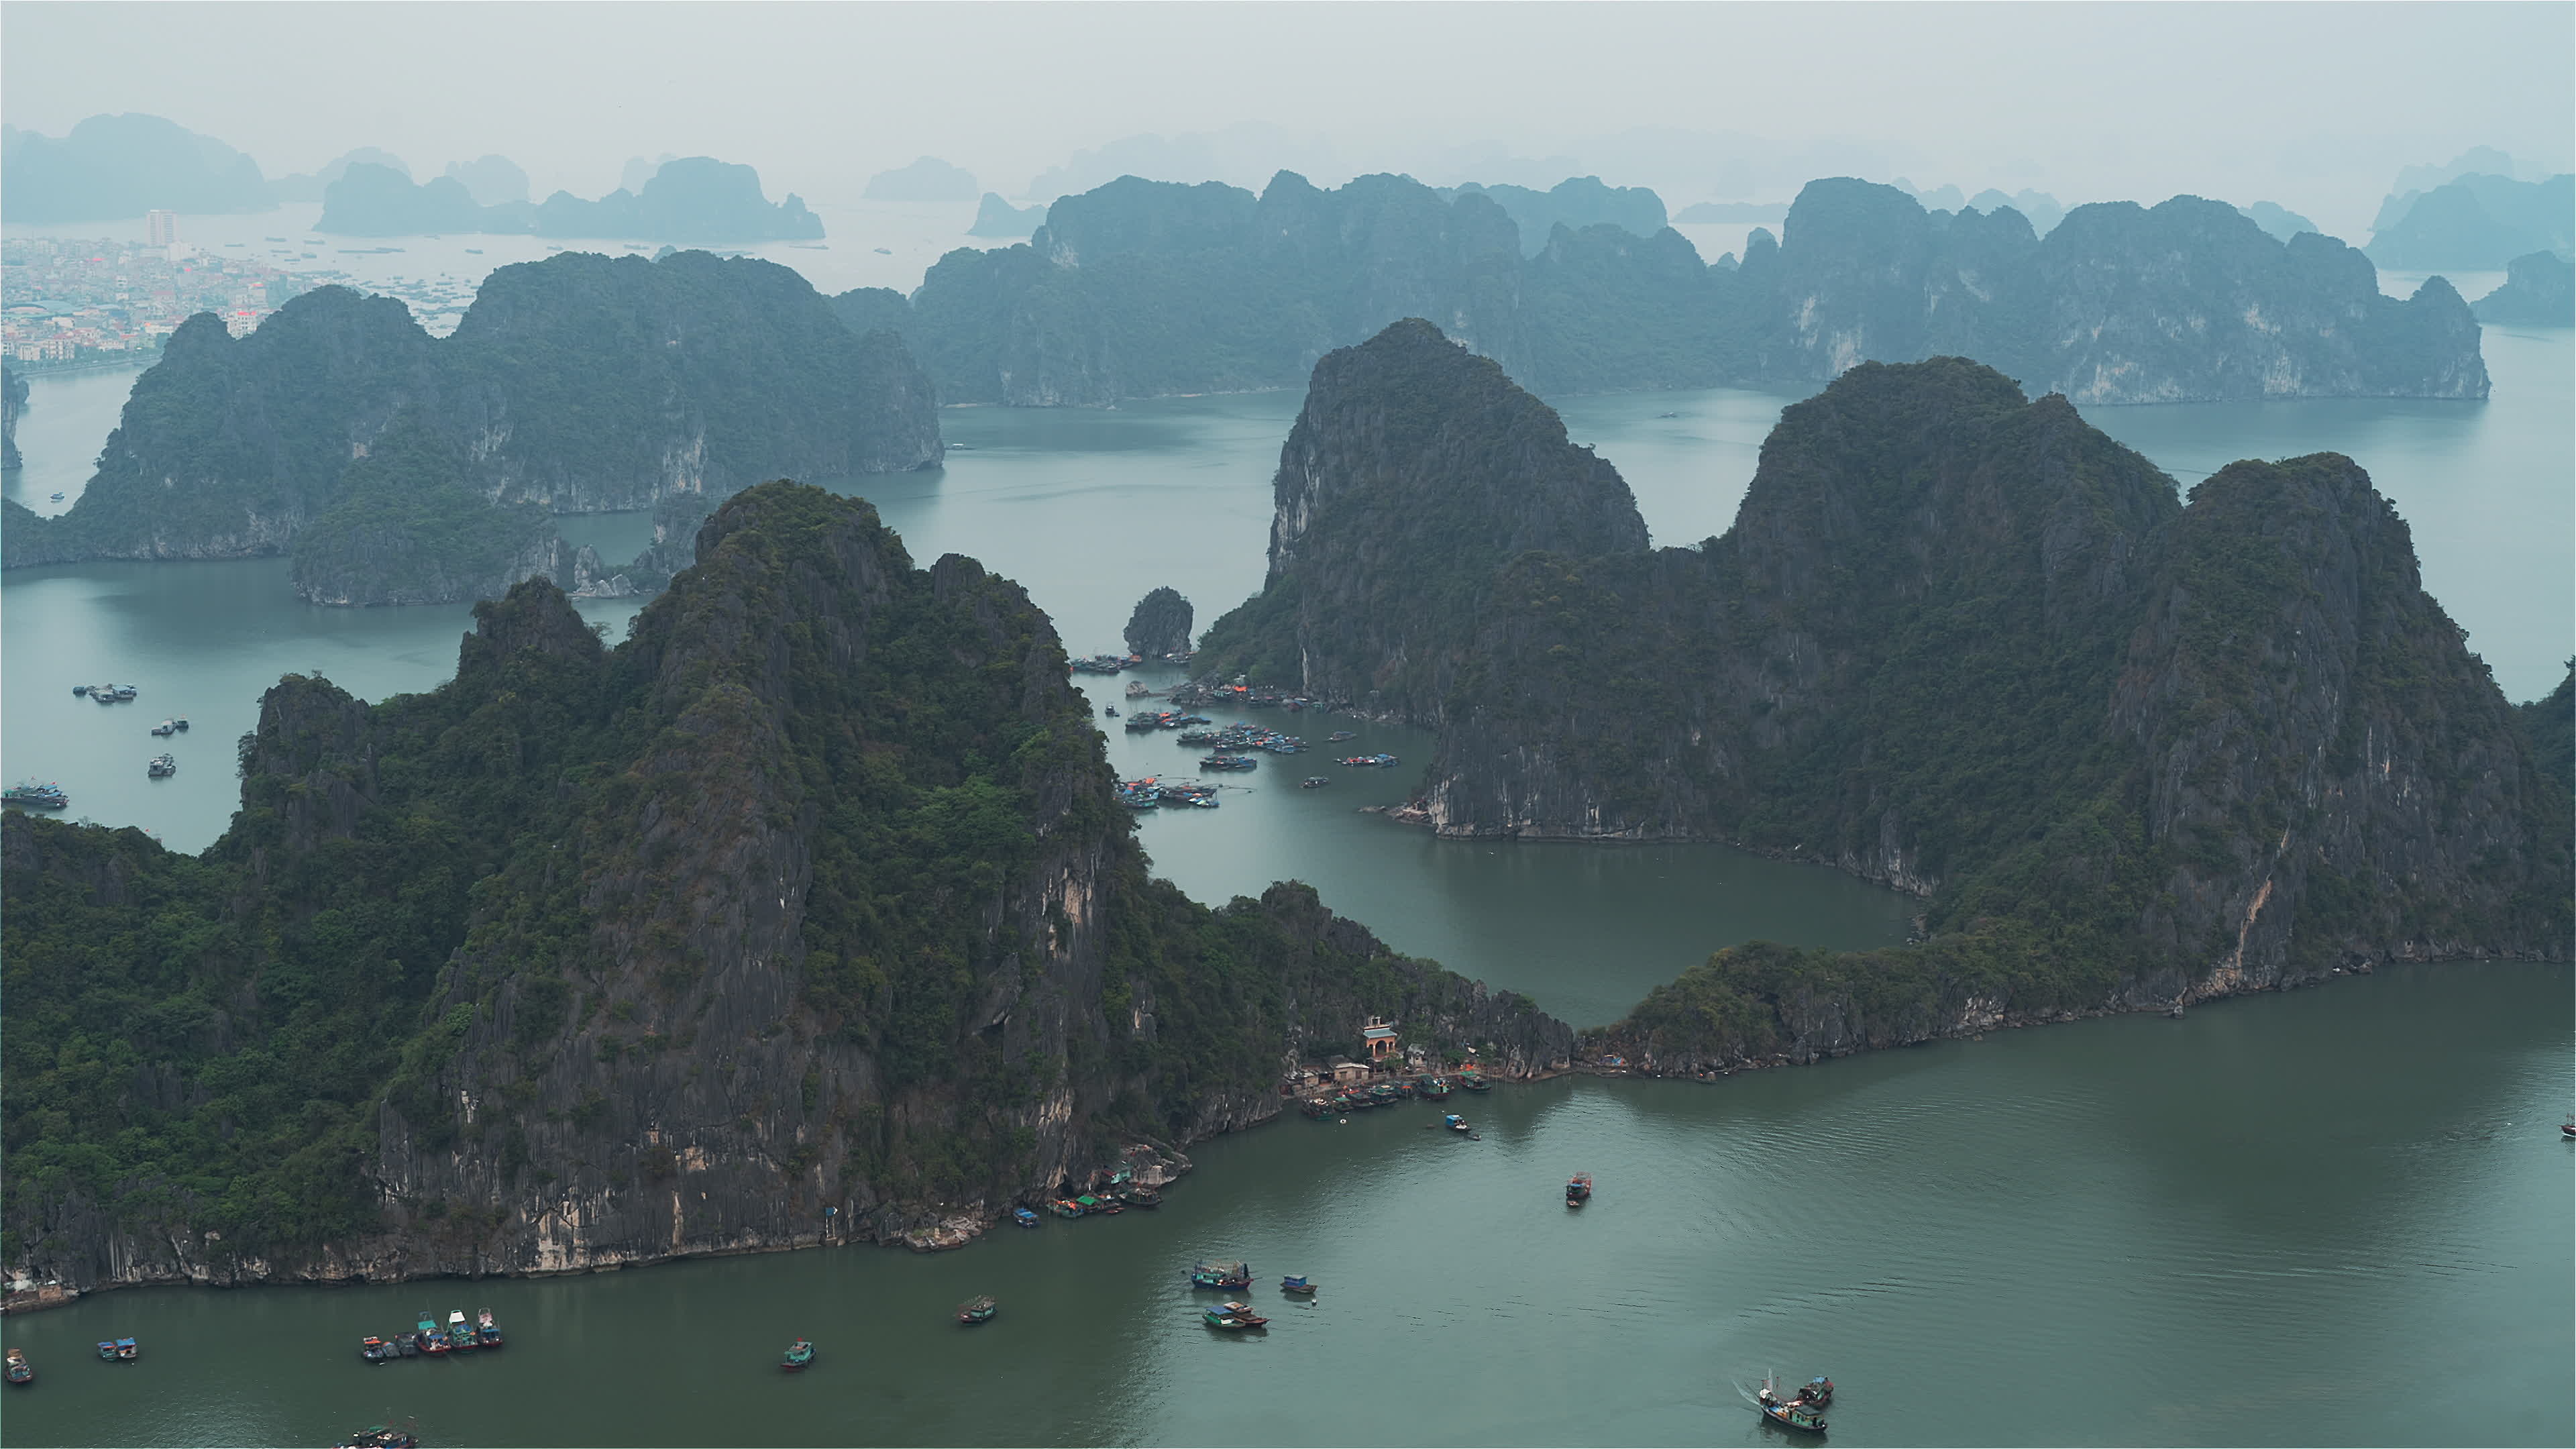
(2337, 1216)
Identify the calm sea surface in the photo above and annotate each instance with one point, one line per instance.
(2338, 1216)
(2335, 1217)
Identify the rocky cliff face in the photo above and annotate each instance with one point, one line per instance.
(13, 400)
(2187, 301)
(2539, 291)
(576, 384)
(804, 914)
(1415, 470)
(1160, 624)
(2130, 751)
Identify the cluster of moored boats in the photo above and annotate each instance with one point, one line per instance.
(1429, 1087)
(35, 795)
(1153, 792)
(107, 693)
(1110, 1201)
(431, 1339)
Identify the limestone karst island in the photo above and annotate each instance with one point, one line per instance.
(1486, 725)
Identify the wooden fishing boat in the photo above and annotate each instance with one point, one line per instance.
(1578, 1189)
(376, 1350)
(1454, 1122)
(1022, 1217)
(19, 1373)
(1065, 1207)
(1436, 1089)
(1296, 1283)
(1791, 1413)
(1233, 1317)
(798, 1355)
(486, 1332)
(433, 1339)
(460, 1334)
(1816, 1392)
(1225, 1277)
(978, 1310)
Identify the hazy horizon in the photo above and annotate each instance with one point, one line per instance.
(2314, 106)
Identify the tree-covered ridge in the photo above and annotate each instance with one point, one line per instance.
(575, 384)
(2128, 749)
(1140, 289)
(1415, 468)
(812, 893)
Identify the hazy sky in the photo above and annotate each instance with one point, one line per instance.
(2314, 105)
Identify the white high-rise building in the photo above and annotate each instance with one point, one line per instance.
(160, 228)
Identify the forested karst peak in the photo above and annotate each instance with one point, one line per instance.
(811, 893)
(1143, 288)
(573, 384)
(2129, 749)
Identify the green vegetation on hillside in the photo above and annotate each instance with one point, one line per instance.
(461, 950)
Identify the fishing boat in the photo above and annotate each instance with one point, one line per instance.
(433, 1339)
(798, 1355)
(380, 1436)
(1816, 1392)
(376, 1350)
(1314, 782)
(180, 722)
(1296, 1283)
(166, 728)
(1436, 1089)
(978, 1310)
(1454, 1122)
(1138, 1195)
(1065, 1207)
(2568, 1128)
(1233, 1317)
(1022, 1217)
(407, 1344)
(31, 795)
(119, 1350)
(19, 1373)
(1224, 1277)
(58, 498)
(460, 1334)
(1474, 1081)
(486, 1332)
(1791, 1413)
(161, 767)
(1578, 1189)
